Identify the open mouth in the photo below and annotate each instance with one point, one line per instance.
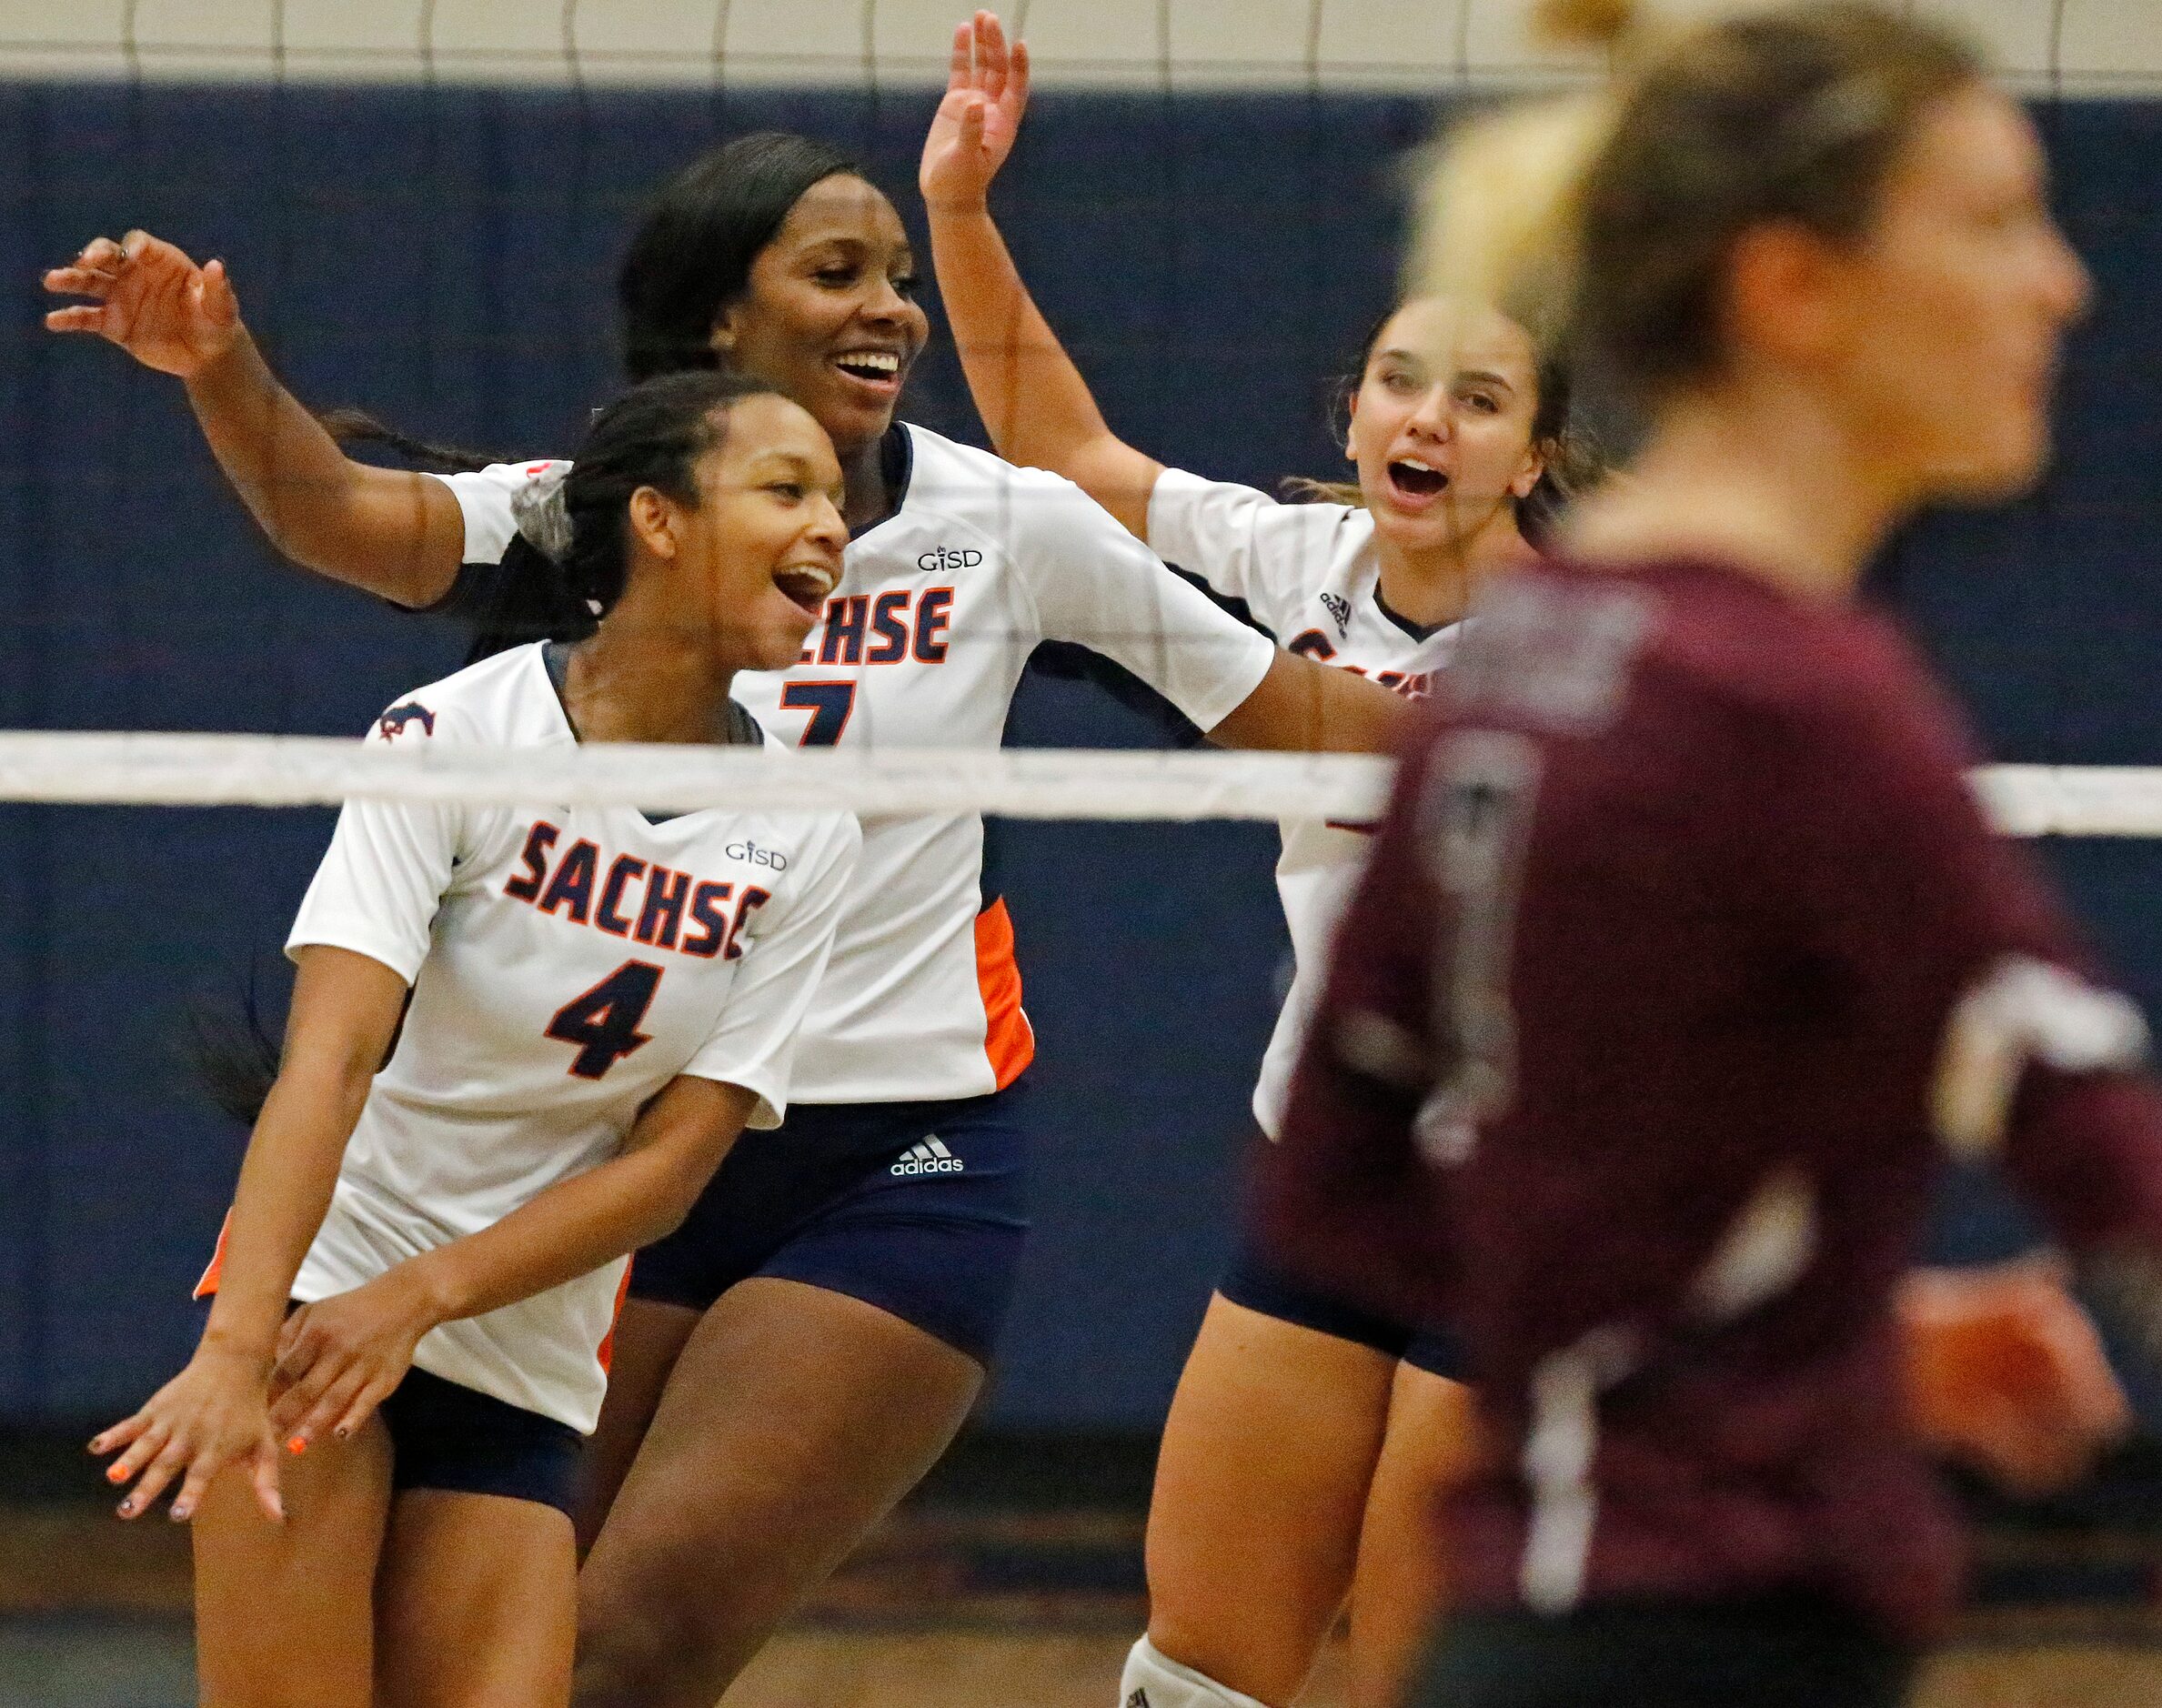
(805, 586)
(871, 367)
(1416, 484)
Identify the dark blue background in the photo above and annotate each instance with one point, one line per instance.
(446, 259)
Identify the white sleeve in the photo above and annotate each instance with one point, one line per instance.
(1094, 584)
(388, 864)
(753, 1044)
(1243, 543)
(488, 499)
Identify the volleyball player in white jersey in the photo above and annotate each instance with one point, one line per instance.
(1308, 1437)
(801, 1351)
(1305, 1432)
(574, 1012)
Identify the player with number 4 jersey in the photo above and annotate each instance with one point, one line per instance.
(566, 964)
(522, 1039)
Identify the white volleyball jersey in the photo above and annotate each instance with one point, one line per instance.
(1310, 574)
(922, 645)
(565, 965)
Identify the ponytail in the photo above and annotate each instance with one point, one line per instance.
(234, 1057)
(358, 427)
(1604, 224)
(1497, 214)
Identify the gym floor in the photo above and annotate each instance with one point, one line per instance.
(1013, 1578)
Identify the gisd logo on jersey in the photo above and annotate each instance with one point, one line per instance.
(394, 722)
(949, 558)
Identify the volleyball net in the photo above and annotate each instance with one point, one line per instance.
(152, 769)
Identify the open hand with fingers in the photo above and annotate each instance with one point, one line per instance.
(148, 297)
(973, 132)
(214, 1414)
(341, 1357)
(2006, 1372)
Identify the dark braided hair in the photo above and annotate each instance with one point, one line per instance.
(652, 436)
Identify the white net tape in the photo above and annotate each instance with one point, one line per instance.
(207, 770)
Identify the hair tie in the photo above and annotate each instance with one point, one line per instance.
(542, 514)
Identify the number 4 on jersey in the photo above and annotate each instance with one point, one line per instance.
(604, 1021)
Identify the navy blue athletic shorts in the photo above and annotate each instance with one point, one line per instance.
(1252, 1280)
(919, 1208)
(446, 1435)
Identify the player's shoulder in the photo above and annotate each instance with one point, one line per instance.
(505, 700)
(1831, 686)
(966, 483)
(510, 477)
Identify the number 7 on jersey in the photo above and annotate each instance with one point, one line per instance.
(829, 704)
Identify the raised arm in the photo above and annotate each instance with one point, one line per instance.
(394, 533)
(1034, 402)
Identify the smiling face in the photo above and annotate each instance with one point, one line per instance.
(1940, 328)
(830, 316)
(752, 563)
(1441, 425)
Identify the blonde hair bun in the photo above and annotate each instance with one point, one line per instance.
(1495, 219)
(1585, 23)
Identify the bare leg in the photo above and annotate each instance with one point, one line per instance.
(1261, 1487)
(794, 1421)
(285, 1612)
(649, 1337)
(478, 1603)
(1398, 1587)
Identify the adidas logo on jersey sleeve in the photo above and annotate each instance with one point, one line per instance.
(929, 1156)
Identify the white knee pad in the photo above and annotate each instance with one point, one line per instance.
(1153, 1680)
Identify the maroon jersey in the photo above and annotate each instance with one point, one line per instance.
(1684, 949)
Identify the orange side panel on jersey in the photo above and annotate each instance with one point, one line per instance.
(607, 1341)
(207, 1286)
(1008, 1039)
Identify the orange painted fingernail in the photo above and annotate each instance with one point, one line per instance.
(114, 1473)
(297, 1445)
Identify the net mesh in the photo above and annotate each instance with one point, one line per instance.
(147, 769)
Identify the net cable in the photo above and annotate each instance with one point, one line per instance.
(159, 768)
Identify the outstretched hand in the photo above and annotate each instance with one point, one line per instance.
(214, 1414)
(148, 297)
(2006, 1372)
(973, 132)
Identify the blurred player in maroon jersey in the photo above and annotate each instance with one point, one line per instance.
(1684, 950)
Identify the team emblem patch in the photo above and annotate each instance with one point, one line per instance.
(1339, 608)
(394, 722)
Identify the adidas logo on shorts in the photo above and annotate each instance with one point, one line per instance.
(929, 1157)
(1140, 1699)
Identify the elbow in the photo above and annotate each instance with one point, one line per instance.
(676, 1195)
(668, 1214)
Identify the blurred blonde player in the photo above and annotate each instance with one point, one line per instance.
(1309, 1432)
(1684, 946)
